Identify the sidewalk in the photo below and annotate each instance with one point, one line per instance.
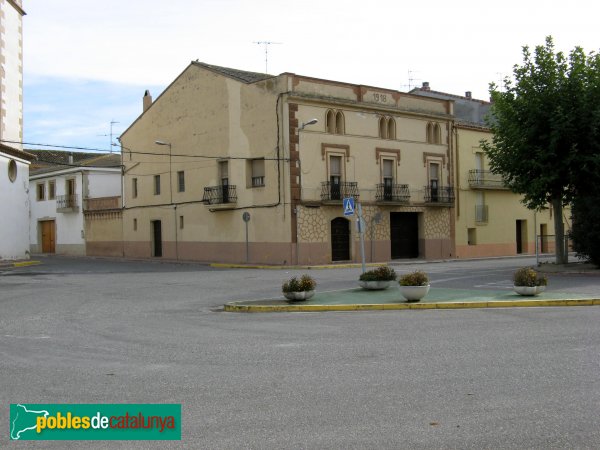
(390, 299)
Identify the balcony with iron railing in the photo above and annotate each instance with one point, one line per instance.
(219, 195)
(440, 195)
(392, 193)
(485, 179)
(336, 192)
(67, 203)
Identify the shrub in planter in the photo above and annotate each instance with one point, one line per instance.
(529, 282)
(301, 288)
(417, 278)
(383, 273)
(377, 279)
(528, 276)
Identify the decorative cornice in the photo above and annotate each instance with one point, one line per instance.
(434, 155)
(379, 151)
(345, 148)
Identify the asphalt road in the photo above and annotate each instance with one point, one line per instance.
(77, 330)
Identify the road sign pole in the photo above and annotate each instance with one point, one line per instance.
(361, 233)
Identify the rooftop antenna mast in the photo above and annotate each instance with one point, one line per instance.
(266, 44)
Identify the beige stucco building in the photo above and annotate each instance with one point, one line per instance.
(221, 144)
(490, 219)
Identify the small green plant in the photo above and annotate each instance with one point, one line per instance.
(417, 278)
(295, 284)
(382, 273)
(527, 276)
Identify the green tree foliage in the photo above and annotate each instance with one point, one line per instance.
(545, 124)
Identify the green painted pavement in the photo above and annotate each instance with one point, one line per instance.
(359, 296)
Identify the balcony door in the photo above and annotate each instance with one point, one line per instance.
(224, 176)
(434, 176)
(388, 179)
(335, 177)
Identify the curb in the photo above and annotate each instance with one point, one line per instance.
(23, 264)
(236, 307)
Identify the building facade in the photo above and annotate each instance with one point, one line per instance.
(490, 220)
(233, 166)
(65, 197)
(14, 163)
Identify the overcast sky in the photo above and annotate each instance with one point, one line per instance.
(88, 63)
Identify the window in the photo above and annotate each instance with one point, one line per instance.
(434, 174)
(472, 236)
(434, 133)
(12, 170)
(335, 177)
(134, 224)
(334, 122)
(382, 128)
(257, 172)
(156, 184)
(181, 222)
(70, 186)
(391, 128)
(51, 190)
(224, 176)
(41, 191)
(134, 186)
(387, 128)
(388, 178)
(180, 181)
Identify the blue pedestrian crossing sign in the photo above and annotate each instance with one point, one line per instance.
(349, 206)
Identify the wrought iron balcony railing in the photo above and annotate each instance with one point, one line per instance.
(392, 193)
(484, 179)
(216, 195)
(67, 203)
(338, 191)
(439, 195)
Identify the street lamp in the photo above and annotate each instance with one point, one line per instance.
(170, 179)
(310, 122)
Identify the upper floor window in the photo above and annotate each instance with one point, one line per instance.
(434, 133)
(387, 128)
(134, 187)
(41, 191)
(70, 186)
(51, 190)
(181, 181)
(156, 184)
(334, 122)
(257, 172)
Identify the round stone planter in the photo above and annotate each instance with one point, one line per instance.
(374, 285)
(529, 290)
(298, 296)
(414, 293)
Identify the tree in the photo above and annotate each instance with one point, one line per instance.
(545, 125)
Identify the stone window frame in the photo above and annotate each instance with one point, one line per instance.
(388, 154)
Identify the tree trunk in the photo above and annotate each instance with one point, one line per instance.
(559, 232)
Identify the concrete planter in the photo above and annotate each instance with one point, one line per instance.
(414, 293)
(374, 285)
(299, 296)
(529, 290)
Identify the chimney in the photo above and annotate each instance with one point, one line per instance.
(147, 100)
(425, 86)
(70, 158)
(468, 94)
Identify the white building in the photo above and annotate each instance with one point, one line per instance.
(14, 215)
(14, 163)
(60, 194)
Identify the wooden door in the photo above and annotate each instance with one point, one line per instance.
(340, 239)
(48, 236)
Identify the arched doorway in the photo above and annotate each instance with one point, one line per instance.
(340, 239)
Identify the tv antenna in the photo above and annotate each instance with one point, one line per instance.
(411, 81)
(266, 44)
(112, 122)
